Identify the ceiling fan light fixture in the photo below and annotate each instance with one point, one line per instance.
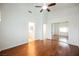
(44, 7)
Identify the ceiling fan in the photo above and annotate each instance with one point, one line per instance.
(46, 7)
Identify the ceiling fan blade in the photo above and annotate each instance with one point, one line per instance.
(41, 10)
(38, 6)
(48, 10)
(52, 4)
(30, 11)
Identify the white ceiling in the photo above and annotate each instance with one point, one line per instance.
(58, 6)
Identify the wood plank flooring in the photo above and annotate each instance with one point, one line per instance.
(42, 48)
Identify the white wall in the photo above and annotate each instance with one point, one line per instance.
(55, 28)
(0, 15)
(66, 13)
(14, 24)
(0, 24)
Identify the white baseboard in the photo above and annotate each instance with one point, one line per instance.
(13, 46)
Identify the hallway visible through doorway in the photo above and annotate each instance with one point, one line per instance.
(60, 31)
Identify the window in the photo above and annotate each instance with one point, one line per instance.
(63, 29)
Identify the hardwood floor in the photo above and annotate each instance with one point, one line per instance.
(42, 48)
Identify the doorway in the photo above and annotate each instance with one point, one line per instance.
(59, 31)
(31, 30)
